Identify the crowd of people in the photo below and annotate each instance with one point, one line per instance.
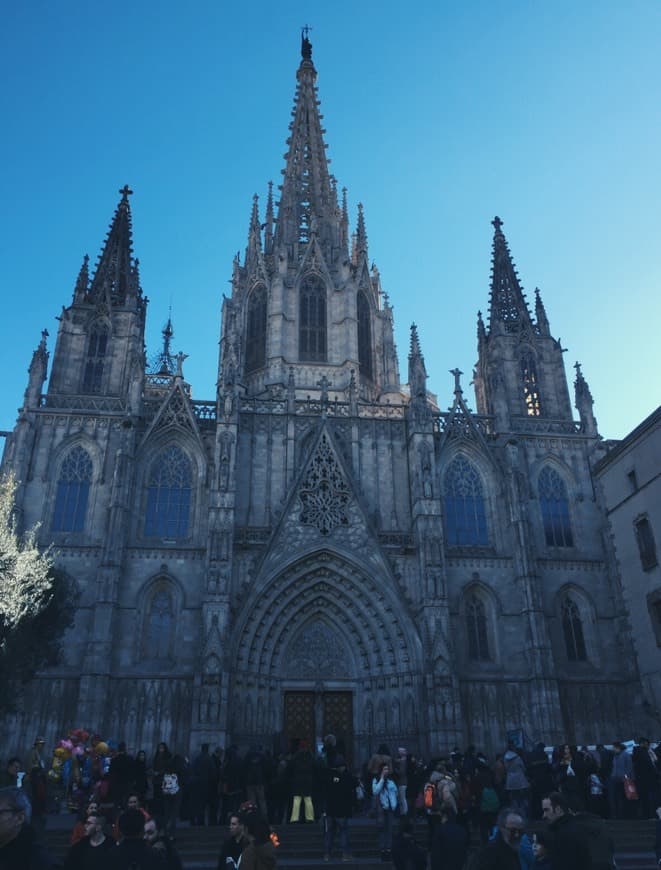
(424, 810)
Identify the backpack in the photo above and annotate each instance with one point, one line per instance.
(170, 784)
(431, 801)
(593, 831)
(489, 802)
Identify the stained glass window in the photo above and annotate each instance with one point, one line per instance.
(97, 346)
(160, 620)
(465, 517)
(530, 381)
(169, 495)
(364, 335)
(572, 626)
(554, 505)
(312, 320)
(256, 330)
(477, 629)
(73, 488)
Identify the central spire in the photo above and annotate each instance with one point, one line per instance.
(308, 205)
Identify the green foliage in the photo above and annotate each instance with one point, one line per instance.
(36, 603)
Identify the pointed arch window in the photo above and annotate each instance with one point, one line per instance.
(159, 625)
(554, 505)
(477, 629)
(256, 329)
(364, 335)
(465, 516)
(169, 495)
(312, 320)
(72, 492)
(572, 626)
(95, 359)
(530, 383)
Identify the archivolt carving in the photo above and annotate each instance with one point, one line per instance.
(347, 602)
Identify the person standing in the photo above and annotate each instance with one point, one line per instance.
(302, 770)
(646, 773)
(622, 769)
(340, 787)
(502, 852)
(516, 781)
(89, 853)
(259, 854)
(385, 793)
(19, 847)
(233, 846)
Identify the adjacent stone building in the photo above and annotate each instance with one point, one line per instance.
(318, 547)
(629, 476)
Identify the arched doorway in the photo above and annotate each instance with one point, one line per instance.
(324, 644)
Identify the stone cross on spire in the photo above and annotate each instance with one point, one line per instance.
(306, 45)
(126, 192)
(457, 383)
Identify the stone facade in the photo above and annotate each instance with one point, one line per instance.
(318, 547)
(629, 480)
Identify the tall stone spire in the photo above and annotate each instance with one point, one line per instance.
(417, 370)
(254, 247)
(116, 281)
(508, 307)
(82, 282)
(307, 204)
(584, 402)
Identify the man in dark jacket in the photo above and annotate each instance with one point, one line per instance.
(502, 852)
(449, 846)
(569, 850)
(646, 774)
(19, 850)
(338, 797)
(133, 851)
(233, 846)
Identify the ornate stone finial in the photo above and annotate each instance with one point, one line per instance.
(457, 382)
(44, 336)
(126, 192)
(180, 357)
(577, 366)
(306, 45)
(496, 223)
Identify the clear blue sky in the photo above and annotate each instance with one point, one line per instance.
(439, 116)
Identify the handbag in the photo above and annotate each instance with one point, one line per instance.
(630, 790)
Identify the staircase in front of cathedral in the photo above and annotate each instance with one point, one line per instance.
(301, 845)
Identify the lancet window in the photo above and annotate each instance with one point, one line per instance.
(72, 493)
(554, 505)
(312, 320)
(169, 495)
(159, 625)
(530, 383)
(364, 335)
(256, 329)
(465, 516)
(477, 629)
(572, 626)
(95, 359)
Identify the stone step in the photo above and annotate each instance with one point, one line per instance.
(302, 844)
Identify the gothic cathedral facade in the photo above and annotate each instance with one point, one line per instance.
(319, 548)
